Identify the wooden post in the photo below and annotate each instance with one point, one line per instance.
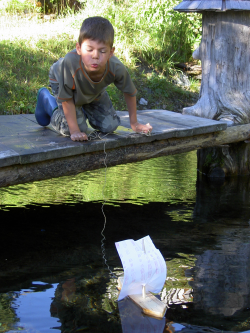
(225, 85)
(224, 52)
(224, 161)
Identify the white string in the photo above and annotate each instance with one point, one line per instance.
(201, 172)
(105, 219)
(93, 136)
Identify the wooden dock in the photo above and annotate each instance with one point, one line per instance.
(29, 152)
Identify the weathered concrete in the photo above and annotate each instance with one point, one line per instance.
(30, 152)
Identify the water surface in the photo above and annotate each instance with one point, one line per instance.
(52, 272)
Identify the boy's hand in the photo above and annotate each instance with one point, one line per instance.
(132, 110)
(140, 128)
(69, 111)
(79, 136)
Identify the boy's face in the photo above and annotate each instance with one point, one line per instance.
(94, 55)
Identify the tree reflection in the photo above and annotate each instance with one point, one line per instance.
(8, 317)
(221, 276)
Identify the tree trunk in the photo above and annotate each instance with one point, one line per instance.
(225, 88)
(224, 161)
(224, 52)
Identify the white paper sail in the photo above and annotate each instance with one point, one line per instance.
(143, 265)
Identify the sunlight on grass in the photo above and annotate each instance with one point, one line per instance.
(144, 31)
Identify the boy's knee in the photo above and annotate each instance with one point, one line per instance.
(105, 123)
(101, 114)
(59, 123)
(110, 123)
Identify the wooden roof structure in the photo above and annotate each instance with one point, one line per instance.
(212, 5)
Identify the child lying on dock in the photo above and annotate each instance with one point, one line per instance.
(79, 81)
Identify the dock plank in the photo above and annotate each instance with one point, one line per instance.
(171, 124)
(196, 125)
(14, 125)
(30, 152)
(23, 137)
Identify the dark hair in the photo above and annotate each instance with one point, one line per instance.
(97, 28)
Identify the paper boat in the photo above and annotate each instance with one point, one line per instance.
(133, 321)
(145, 272)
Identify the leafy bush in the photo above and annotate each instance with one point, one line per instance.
(18, 6)
(43, 6)
(147, 30)
(150, 29)
(60, 6)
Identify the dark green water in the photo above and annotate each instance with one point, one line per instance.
(52, 274)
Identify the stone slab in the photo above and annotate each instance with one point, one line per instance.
(23, 141)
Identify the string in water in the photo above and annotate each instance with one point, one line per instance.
(105, 219)
(92, 136)
(96, 135)
(201, 172)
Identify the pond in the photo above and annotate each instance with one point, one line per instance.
(53, 276)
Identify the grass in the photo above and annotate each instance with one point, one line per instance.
(29, 46)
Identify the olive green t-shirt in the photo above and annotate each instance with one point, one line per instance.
(75, 83)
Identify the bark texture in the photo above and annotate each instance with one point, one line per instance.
(225, 88)
(224, 52)
(225, 161)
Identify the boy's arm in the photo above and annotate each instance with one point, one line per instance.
(69, 110)
(132, 110)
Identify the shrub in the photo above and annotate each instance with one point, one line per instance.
(150, 29)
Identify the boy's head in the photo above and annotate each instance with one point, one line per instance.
(97, 28)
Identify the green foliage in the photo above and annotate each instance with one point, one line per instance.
(176, 272)
(194, 85)
(148, 31)
(158, 84)
(18, 6)
(60, 7)
(23, 70)
(8, 317)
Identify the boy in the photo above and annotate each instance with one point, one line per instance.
(78, 82)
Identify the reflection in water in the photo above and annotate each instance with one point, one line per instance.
(221, 276)
(170, 179)
(221, 280)
(8, 316)
(78, 304)
(201, 229)
(32, 303)
(133, 321)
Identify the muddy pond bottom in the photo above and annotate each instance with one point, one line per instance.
(53, 277)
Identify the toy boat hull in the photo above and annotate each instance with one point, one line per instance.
(150, 305)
